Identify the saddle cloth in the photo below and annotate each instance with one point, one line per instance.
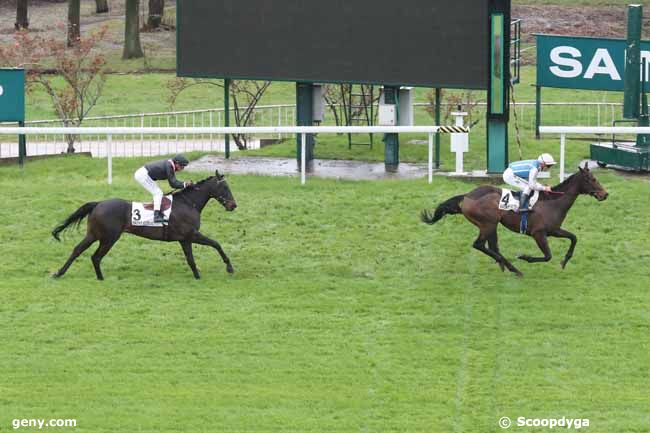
(142, 213)
(510, 200)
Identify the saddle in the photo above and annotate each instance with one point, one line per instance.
(142, 213)
(165, 204)
(510, 200)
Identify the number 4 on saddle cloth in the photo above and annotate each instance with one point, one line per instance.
(142, 213)
(510, 200)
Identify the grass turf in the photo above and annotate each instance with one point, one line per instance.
(345, 313)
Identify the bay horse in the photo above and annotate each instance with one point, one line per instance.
(481, 208)
(108, 219)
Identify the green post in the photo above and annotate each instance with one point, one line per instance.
(438, 101)
(12, 104)
(498, 110)
(391, 141)
(22, 146)
(631, 82)
(538, 110)
(226, 113)
(305, 117)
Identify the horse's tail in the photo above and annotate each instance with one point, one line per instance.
(451, 206)
(74, 219)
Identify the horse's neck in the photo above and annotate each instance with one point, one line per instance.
(197, 197)
(571, 192)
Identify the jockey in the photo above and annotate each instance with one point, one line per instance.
(160, 170)
(523, 175)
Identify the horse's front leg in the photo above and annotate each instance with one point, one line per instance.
(542, 243)
(200, 238)
(189, 256)
(561, 233)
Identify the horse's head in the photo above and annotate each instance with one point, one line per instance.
(590, 185)
(220, 191)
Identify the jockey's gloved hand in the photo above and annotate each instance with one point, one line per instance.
(188, 183)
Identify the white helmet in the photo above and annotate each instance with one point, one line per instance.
(546, 159)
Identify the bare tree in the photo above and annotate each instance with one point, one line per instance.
(132, 45)
(81, 68)
(245, 96)
(74, 13)
(22, 20)
(156, 13)
(101, 6)
(451, 101)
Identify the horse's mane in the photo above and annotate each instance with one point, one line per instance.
(182, 191)
(560, 187)
(564, 183)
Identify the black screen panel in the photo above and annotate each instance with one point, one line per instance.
(432, 43)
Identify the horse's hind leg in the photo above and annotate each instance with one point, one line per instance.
(479, 244)
(105, 246)
(493, 244)
(76, 252)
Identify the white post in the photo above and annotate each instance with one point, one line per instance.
(562, 146)
(459, 141)
(430, 157)
(109, 154)
(303, 140)
(141, 135)
(279, 121)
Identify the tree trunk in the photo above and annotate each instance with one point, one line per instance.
(74, 12)
(132, 46)
(102, 6)
(156, 12)
(22, 21)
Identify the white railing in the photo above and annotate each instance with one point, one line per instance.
(594, 130)
(566, 113)
(303, 130)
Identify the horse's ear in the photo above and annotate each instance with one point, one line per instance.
(218, 175)
(580, 168)
(586, 166)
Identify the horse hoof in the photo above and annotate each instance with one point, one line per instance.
(519, 274)
(55, 275)
(523, 257)
(230, 269)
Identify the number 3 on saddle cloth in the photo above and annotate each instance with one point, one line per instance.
(142, 213)
(510, 201)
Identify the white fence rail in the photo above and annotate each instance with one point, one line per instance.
(303, 130)
(565, 113)
(588, 130)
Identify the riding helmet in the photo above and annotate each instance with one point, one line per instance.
(546, 159)
(180, 160)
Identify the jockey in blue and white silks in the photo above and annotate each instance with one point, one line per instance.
(523, 175)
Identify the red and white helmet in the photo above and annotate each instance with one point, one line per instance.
(546, 159)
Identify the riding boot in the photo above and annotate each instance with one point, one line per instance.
(159, 217)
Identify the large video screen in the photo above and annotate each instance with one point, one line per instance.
(430, 43)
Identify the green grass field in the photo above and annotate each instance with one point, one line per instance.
(345, 314)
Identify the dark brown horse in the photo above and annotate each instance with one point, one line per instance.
(107, 220)
(481, 208)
